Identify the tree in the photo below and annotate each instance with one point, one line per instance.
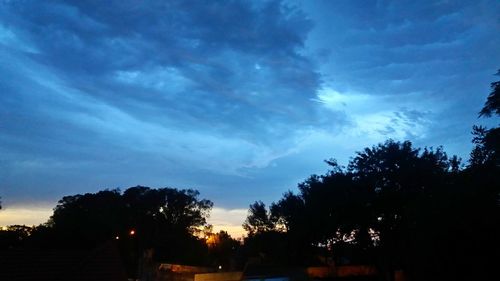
(14, 236)
(492, 104)
(89, 219)
(388, 193)
(486, 146)
(258, 219)
(413, 194)
(286, 214)
(487, 141)
(140, 218)
(264, 239)
(222, 250)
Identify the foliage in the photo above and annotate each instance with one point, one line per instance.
(487, 146)
(487, 141)
(164, 219)
(258, 219)
(396, 206)
(223, 250)
(14, 236)
(492, 104)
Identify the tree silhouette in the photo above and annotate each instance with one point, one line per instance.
(89, 219)
(395, 205)
(492, 104)
(14, 236)
(258, 219)
(223, 250)
(286, 213)
(140, 218)
(487, 141)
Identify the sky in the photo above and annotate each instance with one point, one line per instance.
(240, 100)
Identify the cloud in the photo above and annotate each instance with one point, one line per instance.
(394, 47)
(433, 57)
(158, 90)
(187, 60)
(379, 122)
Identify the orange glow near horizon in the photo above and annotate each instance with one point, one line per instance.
(211, 240)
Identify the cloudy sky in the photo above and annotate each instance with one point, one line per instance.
(238, 99)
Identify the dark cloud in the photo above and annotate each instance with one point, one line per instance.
(392, 47)
(228, 53)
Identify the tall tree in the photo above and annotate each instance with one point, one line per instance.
(164, 219)
(223, 250)
(485, 156)
(14, 236)
(287, 213)
(492, 104)
(258, 219)
(487, 141)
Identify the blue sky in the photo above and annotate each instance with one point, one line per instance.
(238, 99)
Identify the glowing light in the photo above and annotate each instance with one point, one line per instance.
(117, 237)
(220, 266)
(212, 240)
(132, 232)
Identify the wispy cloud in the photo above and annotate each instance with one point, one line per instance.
(388, 119)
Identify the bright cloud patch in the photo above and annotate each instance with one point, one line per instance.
(375, 117)
(163, 79)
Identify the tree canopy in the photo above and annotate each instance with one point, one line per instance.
(258, 219)
(487, 141)
(492, 104)
(164, 219)
(394, 205)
